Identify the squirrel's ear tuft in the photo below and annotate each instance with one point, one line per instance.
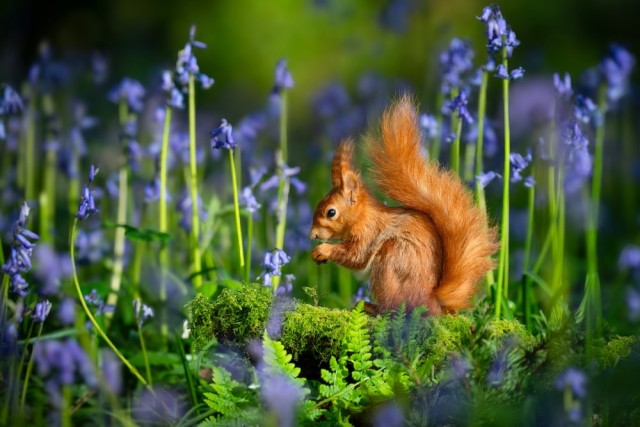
(351, 186)
(341, 163)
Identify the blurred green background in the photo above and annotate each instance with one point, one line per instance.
(323, 40)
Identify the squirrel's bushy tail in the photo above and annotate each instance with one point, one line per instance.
(404, 175)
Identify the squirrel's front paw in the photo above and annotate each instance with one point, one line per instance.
(321, 253)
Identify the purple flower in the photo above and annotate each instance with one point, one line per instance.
(502, 72)
(529, 182)
(87, 205)
(90, 245)
(455, 63)
(129, 90)
(629, 258)
(486, 178)
(586, 111)
(281, 396)
(59, 363)
(187, 64)
(429, 126)
(517, 73)
(67, 311)
(41, 311)
(175, 98)
(563, 86)
(459, 105)
(152, 191)
(10, 102)
(21, 250)
(111, 370)
(158, 407)
(222, 137)
(389, 414)
(331, 101)
(272, 262)
(286, 287)
(518, 164)
(51, 268)
(362, 294)
(95, 300)
(283, 79)
(248, 200)
(499, 34)
(99, 68)
(183, 205)
(575, 380)
(141, 311)
(616, 68)
(633, 304)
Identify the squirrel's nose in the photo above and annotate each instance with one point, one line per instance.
(313, 234)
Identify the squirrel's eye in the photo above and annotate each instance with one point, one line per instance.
(331, 213)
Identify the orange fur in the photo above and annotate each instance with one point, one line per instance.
(432, 250)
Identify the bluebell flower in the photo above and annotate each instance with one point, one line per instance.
(286, 287)
(455, 62)
(286, 173)
(283, 79)
(41, 311)
(395, 15)
(50, 268)
(616, 68)
(459, 105)
(633, 304)
(94, 300)
(586, 111)
(575, 380)
(248, 200)
(141, 311)
(629, 258)
(183, 205)
(281, 396)
(222, 137)
(272, 262)
(10, 101)
(20, 256)
(429, 126)
(99, 68)
(247, 130)
(502, 72)
(87, 205)
(187, 64)
(389, 414)
(516, 73)
(518, 164)
(152, 191)
(59, 363)
(90, 245)
(485, 178)
(282, 304)
(161, 406)
(111, 370)
(129, 90)
(331, 101)
(175, 98)
(362, 294)
(499, 34)
(563, 86)
(66, 313)
(529, 182)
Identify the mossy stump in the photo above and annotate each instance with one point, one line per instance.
(312, 334)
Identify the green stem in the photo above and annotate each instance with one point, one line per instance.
(143, 346)
(193, 182)
(236, 207)
(247, 274)
(283, 187)
(592, 296)
(94, 322)
(526, 291)
(30, 157)
(503, 268)
(163, 222)
(455, 148)
(29, 369)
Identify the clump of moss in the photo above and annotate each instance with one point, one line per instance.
(616, 349)
(503, 328)
(315, 330)
(234, 316)
(446, 334)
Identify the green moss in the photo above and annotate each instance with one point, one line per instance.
(315, 330)
(446, 334)
(234, 316)
(616, 349)
(501, 329)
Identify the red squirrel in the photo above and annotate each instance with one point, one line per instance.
(432, 250)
